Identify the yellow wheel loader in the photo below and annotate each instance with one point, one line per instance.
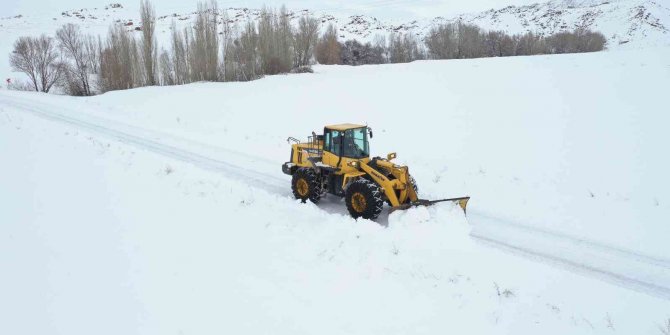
(338, 162)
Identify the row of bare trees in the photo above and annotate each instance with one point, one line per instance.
(459, 40)
(212, 49)
(68, 60)
(452, 41)
(126, 62)
(267, 47)
(73, 60)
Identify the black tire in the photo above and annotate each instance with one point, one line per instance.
(306, 185)
(414, 185)
(364, 199)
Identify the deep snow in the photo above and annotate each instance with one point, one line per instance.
(108, 238)
(567, 144)
(571, 143)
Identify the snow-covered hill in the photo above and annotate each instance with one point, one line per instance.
(642, 22)
(637, 23)
(163, 210)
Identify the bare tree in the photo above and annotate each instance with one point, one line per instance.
(305, 40)
(226, 42)
(441, 41)
(203, 52)
(404, 48)
(38, 58)
(247, 54)
(589, 41)
(75, 47)
(470, 41)
(381, 48)
(328, 49)
(285, 50)
(179, 58)
(120, 67)
(167, 71)
(93, 47)
(149, 46)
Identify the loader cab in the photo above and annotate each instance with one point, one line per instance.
(345, 142)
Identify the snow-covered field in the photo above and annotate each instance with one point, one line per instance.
(164, 210)
(627, 24)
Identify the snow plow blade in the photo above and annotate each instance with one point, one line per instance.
(463, 202)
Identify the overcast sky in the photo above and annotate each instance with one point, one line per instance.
(403, 9)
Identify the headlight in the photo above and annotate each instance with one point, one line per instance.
(391, 156)
(353, 164)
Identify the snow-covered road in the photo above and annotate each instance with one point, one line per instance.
(622, 267)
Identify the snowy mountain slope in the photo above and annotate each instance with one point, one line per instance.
(625, 23)
(98, 232)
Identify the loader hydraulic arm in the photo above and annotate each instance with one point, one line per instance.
(388, 185)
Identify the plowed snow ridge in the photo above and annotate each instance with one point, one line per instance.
(626, 268)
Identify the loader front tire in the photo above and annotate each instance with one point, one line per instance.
(306, 185)
(414, 185)
(364, 199)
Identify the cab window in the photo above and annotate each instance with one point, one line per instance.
(333, 141)
(356, 143)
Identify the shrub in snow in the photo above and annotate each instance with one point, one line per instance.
(303, 69)
(356, 53)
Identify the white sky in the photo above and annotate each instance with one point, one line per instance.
(388, 9)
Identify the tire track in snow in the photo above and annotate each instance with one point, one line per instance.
(141, 138)
(650, 275)
(622, 267)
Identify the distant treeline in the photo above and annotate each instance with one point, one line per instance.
(211, 49)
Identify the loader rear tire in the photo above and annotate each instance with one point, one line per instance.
(364, 199)
(306, 185)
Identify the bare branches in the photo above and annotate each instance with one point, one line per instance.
(305, 39)
(76, 49)
(404, 48)
(38, 58)
(458, 40)
(203, 51)
(119, 61)
(328, 48)
(149, 45)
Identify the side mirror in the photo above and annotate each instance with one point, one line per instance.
(391, 156)
(370, 131)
